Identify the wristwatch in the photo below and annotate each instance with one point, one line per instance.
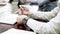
(25, 21)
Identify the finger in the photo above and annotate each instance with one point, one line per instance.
(24, 8)
(21, 8)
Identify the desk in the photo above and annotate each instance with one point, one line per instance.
(16, 31)
(4, 27)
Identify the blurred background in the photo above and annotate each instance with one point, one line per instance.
(14, 5)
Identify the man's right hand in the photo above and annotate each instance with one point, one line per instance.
(20, 19)
(24, 10)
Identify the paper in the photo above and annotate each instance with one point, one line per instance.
(16, 31)
(9, 19)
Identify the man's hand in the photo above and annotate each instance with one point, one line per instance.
(20, 19)
(19, 12)
(24, 10)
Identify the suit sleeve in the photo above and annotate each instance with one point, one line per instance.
(44, 15)
(51, 27)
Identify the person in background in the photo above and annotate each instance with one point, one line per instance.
(51, 27)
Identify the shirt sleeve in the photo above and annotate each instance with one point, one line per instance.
(51, 27)
(44, 15)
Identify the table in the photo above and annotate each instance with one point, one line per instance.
(15, 31)
(4, 27)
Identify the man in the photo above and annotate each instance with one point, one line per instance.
(51, 27)
(6, 15)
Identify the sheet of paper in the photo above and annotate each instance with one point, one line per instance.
(16, 31)
(9, 19)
